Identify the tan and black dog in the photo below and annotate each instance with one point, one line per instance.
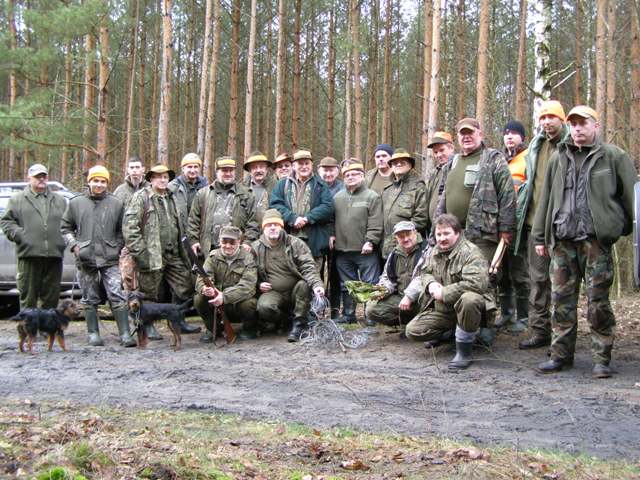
(52, 321)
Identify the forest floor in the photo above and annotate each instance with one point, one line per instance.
(390, 386)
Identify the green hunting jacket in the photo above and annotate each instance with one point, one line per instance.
(243, 215)
(610, 182)
(35, 234)
(94, 224)
(262, 204)
(404, 199)
(182, 191)
(300, 260)
(143, 239)
(236, 277)
(492, 208)
(525, 193)
(462, 269)
(398, 270)
(126, 189)
(358, 219)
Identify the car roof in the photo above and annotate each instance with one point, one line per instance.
(12, 187)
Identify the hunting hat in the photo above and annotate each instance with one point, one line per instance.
(385, 147)
(98, 171)
(302, 155)
(514, 126)
(468, 123)
(254, 158)
(222, 162)
(349, 166)
(272, 216)
(403, 226)
(231, 232)
(440, 138)
(328, 162)
(191, 158)
(37, 169)
(283, 157)
(552, 107)
(159, 169)
(584, 112)
(402, 153)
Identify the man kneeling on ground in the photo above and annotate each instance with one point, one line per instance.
(286, 274)
(399, 304)
(456, 277)
(233, 272)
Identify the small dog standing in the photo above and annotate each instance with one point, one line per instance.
(145, 313)
(50, 321)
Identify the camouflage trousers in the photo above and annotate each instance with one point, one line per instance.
(438, 318)
(540, 292)
(274, 307)
(93, 280)
(174, 272)
(570, 263)
(242, 312)
(38, 279)
(387, 311)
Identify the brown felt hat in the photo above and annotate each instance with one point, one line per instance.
(254, 158)
(328, 162)
(468, 123)
(157, 170)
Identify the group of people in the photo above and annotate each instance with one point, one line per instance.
(284, 234)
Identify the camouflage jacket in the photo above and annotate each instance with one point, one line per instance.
(94, 224)
(143, 240)
(492, 209)
(299, 257)
(262, 204)
(404, 199)
(236, 277)
(243, 215)
(461, 269)
(125, 190)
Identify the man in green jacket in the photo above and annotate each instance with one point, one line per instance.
(287, 275)
(441, 145)
(92, 229)
(153, 230)
(586, 204)
(381, 175)
(32, 222)
(398, 305)
(184, 187)
(358, 233)
(260, 181)
(224, 202)
(404, 199)
(553, 132)
(133, 181)
(232, 270)
(455, 280)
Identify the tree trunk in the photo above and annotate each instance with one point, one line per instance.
(295, 100)
(483, 62)
(165, 83)
(521, 75)
(68, 80)
(542, 49)
(142, 125)
(426, 75)
(601, 56)
(204, 79)
(578, 94)
(13, 83)
(610, 122)
(435, 81)
(634, 104)
(347, 113)
(131, 92)
(89, 98)
(278, 143)
(372, 122)
(460, 47)
(209, 148)
(331, 80)
(103, 95)
(386, 84)
(232, 140)
(357, 93)
(248, 117)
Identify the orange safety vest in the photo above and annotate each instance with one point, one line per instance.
(517, 167)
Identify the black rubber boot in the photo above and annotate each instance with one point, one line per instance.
(519, 324)
(121, 316)
(296, 329)
(249, 329)
(463, 358)
(506, 310)
(152, 333)
(186, 328)
(91, 317)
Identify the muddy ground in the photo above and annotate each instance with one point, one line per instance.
(390, 385)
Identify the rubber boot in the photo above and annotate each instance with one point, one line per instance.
(348, 309)
(506, 311)
(121, 316)
(463, 358)
(519, 325)
(249, 329)
(91, 317)
(152, 333)
(486, 337)
(296, 329)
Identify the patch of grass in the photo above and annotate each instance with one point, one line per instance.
(86, 458)
(59, 473)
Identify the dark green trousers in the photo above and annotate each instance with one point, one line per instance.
(38, 280)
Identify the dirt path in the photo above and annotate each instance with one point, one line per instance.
(388, 386)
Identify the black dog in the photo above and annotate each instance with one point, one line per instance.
(51, 321)
(145, 313)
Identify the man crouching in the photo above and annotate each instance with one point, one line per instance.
(286, 274)
(456, 277)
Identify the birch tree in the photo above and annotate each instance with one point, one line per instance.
(542, 49)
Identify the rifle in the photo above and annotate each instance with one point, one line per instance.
(197, 266)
